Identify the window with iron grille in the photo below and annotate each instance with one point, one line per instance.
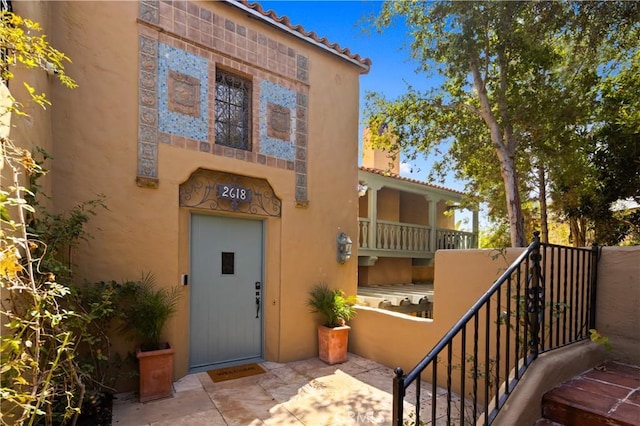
(233, 111)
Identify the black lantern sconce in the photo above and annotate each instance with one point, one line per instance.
(344, 247)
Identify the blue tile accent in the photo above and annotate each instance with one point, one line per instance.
(276, 94)
(170, 58)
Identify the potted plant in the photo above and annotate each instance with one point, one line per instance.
(336, 308)
(145, 312)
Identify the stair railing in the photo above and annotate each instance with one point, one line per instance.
(544, 300)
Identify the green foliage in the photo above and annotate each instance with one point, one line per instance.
(97, 307)
(334, 305)
(23, 45)
(599, 339)
(58, 233)
(497, 236)
(145, 310)
(53, 346)
(515, 98)
(54, 342)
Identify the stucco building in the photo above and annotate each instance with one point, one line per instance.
(225, 142)
(402, 222)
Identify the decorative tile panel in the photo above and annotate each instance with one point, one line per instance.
(181, 44)
(278, 122)
(148, 11)
(302, 72)
(147, 173)
(301, 150)
(182, 93)
(277, 142)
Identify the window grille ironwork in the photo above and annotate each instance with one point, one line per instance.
(233, 111)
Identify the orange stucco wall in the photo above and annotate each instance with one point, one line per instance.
(387, 270)
(446, 221)
(363, 206)
(617, 312)
(421, 274)
(392, 270)
(388, 207)
(94, 136)
(414, 208)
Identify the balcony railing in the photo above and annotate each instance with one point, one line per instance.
(408, 237)
(452, 239)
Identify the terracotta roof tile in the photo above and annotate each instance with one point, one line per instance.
(396, 176)
(270, 15)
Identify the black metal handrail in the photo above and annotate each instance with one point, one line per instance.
(544, 300)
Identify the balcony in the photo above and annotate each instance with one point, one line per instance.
(398, 239)
(447, 239)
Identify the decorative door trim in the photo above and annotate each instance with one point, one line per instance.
(220, 191)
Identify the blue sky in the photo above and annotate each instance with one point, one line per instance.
(341, 22)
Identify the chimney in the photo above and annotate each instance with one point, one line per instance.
(379, 159)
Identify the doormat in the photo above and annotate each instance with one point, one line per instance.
(236, 372)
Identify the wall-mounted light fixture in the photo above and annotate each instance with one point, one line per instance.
(344, 247)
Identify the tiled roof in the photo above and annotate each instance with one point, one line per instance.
(396, 176)
(283, 21)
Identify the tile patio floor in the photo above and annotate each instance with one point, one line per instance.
(309, 392)
(608, 394)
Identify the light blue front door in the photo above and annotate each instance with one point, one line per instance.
(225, 291)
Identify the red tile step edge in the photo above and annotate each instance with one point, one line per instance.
(606, 395)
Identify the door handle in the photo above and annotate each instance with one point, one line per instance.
(257, 306)
(258, 286)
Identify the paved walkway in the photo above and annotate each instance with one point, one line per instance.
(309, 392)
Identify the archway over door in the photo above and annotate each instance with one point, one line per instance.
(220, 191)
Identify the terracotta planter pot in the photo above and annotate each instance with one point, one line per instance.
(332, 344)
(156, 373)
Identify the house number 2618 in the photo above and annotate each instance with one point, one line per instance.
(233, 192)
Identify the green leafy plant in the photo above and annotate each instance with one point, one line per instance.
(54, 346)
(146, 308)
(598, 338)
(96, 306)
(55, 350)
(23, 44)
(334, 305)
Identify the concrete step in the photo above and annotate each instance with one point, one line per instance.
(606, 395)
